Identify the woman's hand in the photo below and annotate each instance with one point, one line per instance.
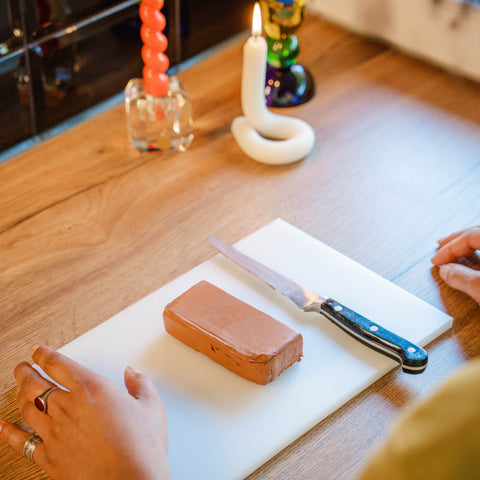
(457, 245)
(95, 430)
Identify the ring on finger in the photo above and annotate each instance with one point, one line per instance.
(30, 445)
(41, 400)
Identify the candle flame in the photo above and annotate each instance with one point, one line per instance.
(257, 21)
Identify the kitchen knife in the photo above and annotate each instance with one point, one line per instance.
(411, 357)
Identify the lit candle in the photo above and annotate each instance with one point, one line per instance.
(293, 139)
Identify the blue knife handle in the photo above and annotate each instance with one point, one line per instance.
(411, 357)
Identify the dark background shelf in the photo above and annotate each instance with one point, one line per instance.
(59, 58)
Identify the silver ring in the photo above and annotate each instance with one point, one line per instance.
(41, 400)
(30, 446)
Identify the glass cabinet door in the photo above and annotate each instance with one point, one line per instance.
(16, 121)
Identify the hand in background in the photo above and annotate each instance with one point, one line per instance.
(95, 430)
(460, 277)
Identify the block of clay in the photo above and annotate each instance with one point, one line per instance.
(236, 335)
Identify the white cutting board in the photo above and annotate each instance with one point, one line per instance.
(221, 426)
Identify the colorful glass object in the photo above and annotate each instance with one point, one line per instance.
(159, 111)
(287, 82)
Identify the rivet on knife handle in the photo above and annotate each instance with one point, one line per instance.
(411, 357)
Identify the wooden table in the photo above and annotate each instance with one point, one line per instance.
(89, 226)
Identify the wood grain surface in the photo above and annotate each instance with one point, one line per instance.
(89, 226)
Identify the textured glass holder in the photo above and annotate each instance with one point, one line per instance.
(158, 123)
(287, 82)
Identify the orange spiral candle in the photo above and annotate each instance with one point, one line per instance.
(156, 81)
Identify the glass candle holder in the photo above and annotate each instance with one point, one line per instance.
(158, 123)
(287, 82)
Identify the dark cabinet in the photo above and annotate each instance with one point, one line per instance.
(58, 58)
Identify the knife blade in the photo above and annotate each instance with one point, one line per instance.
(411, 357)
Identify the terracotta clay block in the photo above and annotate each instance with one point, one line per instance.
(234, 334)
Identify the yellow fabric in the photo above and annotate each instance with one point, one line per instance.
(437, 439)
